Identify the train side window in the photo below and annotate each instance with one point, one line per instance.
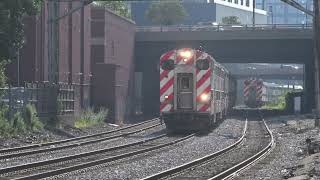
(202, 64)
(185, 83)
(217, 95)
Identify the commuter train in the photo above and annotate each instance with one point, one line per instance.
(253, 92)
(195, 90)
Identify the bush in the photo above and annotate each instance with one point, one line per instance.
(3, 77)
(281, 105)
(18, 124)
(22, 122)
(30, 118)
(89, 118)
(5, 127)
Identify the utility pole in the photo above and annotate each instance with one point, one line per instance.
(271, 11)
(316, 31)
(53, 58)
(18, 58)
(53, 41)
(306, 15)
(254, 13)
(82, 55)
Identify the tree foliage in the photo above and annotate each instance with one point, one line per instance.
(11, 24)
(231, 20)
(119, 7)
(166, 12)
(11, 28)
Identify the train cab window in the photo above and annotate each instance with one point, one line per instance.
(217, 95)
(185, 83)
(203, 64)
(168, 65)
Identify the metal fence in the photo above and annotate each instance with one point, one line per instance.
(222, 28)
(39, 94)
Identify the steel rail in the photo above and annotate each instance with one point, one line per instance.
(100, 161)
(182, 167)
(71, 139)
(72, 157)
(24, 153)
(248, 162)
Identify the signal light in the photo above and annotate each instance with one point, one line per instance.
(186, 54)
(204, 97)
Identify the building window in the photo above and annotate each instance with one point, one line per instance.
(247, 3)
(236, 1)
(97, 29)
(241, 2)
(112, 48)
(97, 53)
(230, 1)
(97, 14)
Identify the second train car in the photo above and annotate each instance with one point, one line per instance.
(194, 90)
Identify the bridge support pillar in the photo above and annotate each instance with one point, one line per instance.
(309, 88)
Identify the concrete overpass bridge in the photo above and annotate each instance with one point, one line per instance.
(292, 45)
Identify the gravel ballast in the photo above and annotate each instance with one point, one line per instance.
(31, 138)
(290, 133)
(150, 163)
(51, 134)
(81, 149)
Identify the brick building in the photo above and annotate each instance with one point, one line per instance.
(108, 52)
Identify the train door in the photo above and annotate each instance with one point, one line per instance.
(252, 97)
(185, 91)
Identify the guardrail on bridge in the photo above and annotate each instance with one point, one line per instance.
(222, 28)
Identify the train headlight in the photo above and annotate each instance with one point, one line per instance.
(204, 97)
(186, 54)
(166, 97)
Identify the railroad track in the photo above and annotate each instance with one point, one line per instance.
(52, 167)
(255, 143)
(22, 151)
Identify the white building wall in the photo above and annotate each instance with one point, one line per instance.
(225, 8)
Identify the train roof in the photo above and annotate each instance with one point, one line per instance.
(200, 53)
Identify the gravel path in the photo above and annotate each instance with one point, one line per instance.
(136, 167)
(81, 149)
(290, 133)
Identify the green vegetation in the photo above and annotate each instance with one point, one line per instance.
(281, 105)
(231, 20)
(30, 118)
(21, 122)
(12, 38)
(5, 127)
(3, 78)
(118, 7)
(166, 12)
(11, 24)
(89, 118)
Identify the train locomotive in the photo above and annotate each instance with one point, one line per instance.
(194, 90)
(253, 92)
